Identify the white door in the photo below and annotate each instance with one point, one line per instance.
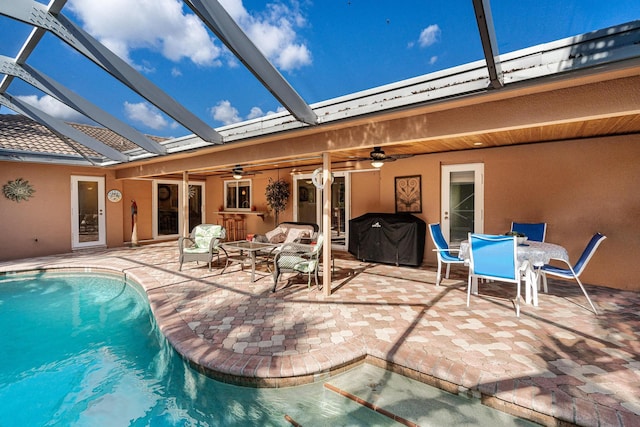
(87, 212)
(462, 201)
(308, 206)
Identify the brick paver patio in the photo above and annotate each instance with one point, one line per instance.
(556, 364)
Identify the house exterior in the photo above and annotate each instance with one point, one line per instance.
(563, 148)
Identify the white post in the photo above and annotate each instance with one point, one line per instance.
(326, 223)
(185, 203)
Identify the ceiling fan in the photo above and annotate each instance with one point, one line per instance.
(238, 172)
(378, 157)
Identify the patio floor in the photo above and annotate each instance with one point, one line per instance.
(556, 364)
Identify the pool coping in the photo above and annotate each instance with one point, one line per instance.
(284, 371)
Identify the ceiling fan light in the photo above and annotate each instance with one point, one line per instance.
(377, 163)
(237, 172)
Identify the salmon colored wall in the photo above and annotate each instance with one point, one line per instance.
(42, 224)
(577, 187)
(365, 193)
(142, 192)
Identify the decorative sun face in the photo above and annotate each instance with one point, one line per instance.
(18, 190)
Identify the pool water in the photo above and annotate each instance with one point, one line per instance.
(84, 350)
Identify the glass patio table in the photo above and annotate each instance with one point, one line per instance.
(537, 253)
(244, 251)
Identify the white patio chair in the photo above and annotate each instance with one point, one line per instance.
(203, 244)
(298, 258)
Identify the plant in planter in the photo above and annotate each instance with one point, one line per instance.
(277, 194)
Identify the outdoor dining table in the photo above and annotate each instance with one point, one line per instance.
(537, 254)
(243, 251)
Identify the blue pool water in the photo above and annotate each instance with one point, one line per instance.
(83, 350)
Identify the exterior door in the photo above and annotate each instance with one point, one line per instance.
(87, 212)
(308, 206)
(167, 201)
(462, 201)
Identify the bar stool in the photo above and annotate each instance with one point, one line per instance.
(239, 227)
(229, 224)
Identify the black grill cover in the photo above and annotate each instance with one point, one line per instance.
(388, 238)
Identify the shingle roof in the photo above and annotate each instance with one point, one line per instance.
(21, 134)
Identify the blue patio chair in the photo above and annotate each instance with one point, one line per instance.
(534, 231)
(495, 258)
(575, 271)
(445, 254)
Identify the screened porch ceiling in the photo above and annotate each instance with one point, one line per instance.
(528, 69)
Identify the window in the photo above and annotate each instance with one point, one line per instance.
(237, 195)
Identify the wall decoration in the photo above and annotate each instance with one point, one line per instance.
(114, 195)
(164, 192)
(303, 194)
(18, 190)
(408, 192)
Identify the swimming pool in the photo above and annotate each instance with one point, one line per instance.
(84, 350)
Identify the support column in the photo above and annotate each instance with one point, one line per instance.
(185, 204)
(326, 223)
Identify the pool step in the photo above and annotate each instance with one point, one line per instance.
(412, 403)
(371, 406)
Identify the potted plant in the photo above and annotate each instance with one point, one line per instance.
(277, 194)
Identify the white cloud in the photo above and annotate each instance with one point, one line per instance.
(228, 114)
(255, 113)
(163, 26)
(224, 112)
(53, 107)
(274, 33)
(429, 35)
(433, 60)
(146, 114)
(160, 25)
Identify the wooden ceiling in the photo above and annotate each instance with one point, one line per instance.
(353, 158)
(559, 111)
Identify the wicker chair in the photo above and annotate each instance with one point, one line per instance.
(203, 244)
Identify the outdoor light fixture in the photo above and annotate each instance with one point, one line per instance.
(237, 172)
(377, 157)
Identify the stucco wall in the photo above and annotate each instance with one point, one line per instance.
(42, 224)
(577, 187)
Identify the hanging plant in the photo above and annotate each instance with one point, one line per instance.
(17, 190)
(277, 194)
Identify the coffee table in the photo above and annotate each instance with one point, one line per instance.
(244, 251)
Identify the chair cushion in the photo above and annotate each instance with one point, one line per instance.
(202, 235)
(291, 262)
(295, 233)
(277, 235)
(195, 250)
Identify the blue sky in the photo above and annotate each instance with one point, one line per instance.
(324, 48)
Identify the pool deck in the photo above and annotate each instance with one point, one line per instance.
(557, 364)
